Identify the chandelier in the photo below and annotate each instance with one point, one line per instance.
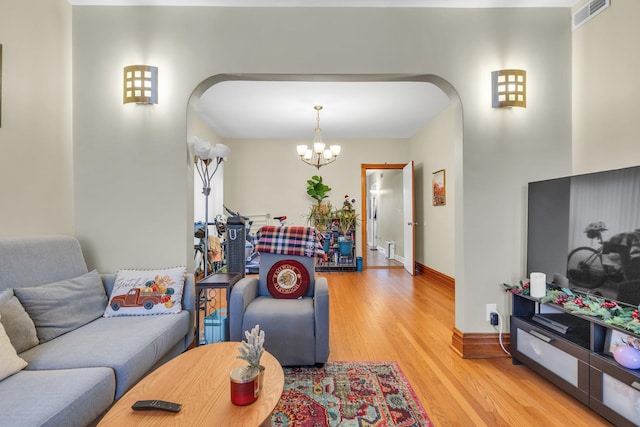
(318, 155)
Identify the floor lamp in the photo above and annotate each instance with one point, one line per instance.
(207, 159)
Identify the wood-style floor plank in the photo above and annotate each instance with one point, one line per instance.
(388, 315)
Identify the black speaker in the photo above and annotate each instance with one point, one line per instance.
(235, 247)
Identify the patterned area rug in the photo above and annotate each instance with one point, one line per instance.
(348, 394)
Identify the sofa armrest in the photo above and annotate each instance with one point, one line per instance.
(321, 309)
(243, 292)
(189, 304)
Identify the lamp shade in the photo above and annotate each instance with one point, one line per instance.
(203, 149)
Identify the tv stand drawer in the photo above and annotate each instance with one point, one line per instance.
(560, 361)
(615, 391)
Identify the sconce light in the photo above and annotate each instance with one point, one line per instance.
(140, 84)
(509, 88)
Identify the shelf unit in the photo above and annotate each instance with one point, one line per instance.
(334, 260)
(212, 297)
(576, 361)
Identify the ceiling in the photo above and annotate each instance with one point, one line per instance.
(285, 109)
(269, 110)
(332, 3)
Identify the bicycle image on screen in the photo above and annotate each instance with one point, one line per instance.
(610, 268)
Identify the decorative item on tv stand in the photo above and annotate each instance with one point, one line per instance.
(247, 381)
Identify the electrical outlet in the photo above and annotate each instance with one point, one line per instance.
(491, 308)
(494, 319)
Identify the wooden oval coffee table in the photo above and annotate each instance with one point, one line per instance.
(199, 380)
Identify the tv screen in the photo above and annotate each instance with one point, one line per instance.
(584, 232)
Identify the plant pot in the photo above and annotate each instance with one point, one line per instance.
(345, 247)
(245, 385)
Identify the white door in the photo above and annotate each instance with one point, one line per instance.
(408, 217)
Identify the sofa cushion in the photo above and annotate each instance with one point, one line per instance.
(10, 362)
(66, 397)
(146, 292)
(130, 345)
(63, 306)
(288, 327)
(37, 260)
(17, 323)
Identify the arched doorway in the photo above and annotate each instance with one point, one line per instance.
(442, 84)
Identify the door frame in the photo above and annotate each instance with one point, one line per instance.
(363, 208)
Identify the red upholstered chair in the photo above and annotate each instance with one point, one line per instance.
(289, 303)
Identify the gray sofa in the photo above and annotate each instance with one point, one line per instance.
(72, 379)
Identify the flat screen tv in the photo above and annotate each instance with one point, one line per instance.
(584, 233)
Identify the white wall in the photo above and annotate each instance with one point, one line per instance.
(267, 176)
(131, 161)
(36, 166)
(390, 218)
(606, 89)
(433, 149)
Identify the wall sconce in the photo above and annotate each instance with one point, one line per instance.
(140, 84)
(509, 88)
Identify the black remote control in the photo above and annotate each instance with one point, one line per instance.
(145, 405)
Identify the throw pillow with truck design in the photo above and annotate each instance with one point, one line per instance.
(146, 292)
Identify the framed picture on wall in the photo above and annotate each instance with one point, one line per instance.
(439, 185)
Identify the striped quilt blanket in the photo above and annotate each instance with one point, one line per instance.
(288, 240)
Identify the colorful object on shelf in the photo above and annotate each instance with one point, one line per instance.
(215, 326)
(627, 356)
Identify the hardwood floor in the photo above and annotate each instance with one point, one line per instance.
(376, 258)
(386, 315)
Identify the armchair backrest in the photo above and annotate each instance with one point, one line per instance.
(279, 244)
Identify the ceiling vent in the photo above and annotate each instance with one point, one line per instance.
(588, 11)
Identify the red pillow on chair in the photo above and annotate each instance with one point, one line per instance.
(288, 279)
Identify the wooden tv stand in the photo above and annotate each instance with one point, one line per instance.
(576, 361)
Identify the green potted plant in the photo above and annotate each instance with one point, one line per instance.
(321, 212)
(251, 351)
(347, 222)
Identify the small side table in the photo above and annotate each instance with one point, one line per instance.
(207, 302)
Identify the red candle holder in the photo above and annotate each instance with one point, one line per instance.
(244, 389)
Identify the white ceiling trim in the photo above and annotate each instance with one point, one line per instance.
(333, 3)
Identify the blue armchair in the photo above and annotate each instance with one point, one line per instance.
(289, 303)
